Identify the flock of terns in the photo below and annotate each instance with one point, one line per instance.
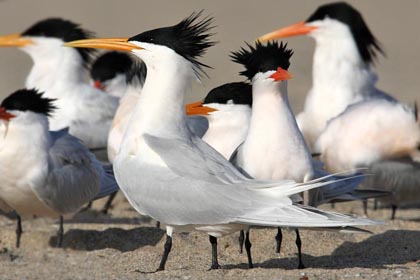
(235, 160)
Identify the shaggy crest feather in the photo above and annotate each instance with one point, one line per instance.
(262, 58)
(29, 100)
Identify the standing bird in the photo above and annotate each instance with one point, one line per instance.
(61, 73)
(274, 148)
(383, 136)
(53, 173)
(172, 175)
(342, 66)
(121, 74)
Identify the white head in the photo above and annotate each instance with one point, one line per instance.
(335, 23)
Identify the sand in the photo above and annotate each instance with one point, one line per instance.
(123, 245)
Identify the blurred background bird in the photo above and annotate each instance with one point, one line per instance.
(44, 173)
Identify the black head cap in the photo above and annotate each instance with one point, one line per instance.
(262, 58)
(29, 100)
(110, 64)
(366, 43)
(189, 38)
(240, 93)
(64, 30)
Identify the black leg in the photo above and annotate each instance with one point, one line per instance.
(214, 261)
(279, 238)
(87, 207)
(18, 231)
(394, 210)
(241, 241)
(158, 224)
(248, 250)
(60, 233)
(332, 205)
(299, 247)
(365, 207)
(375, 204)
(108, 203)
(167, 249)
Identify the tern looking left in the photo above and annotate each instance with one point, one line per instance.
(61, 73)
(50, 173)
(172, 175)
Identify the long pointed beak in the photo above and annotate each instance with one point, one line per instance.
(300, 28)
(117, 44)
(197, 108)
(281, 75)
(14, 40)
(4, 115)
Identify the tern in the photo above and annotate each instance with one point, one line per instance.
(51, 174)
(61, 73)
(173, 176)
(342, 71)
(121, 74)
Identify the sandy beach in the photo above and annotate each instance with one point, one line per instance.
(124, 245)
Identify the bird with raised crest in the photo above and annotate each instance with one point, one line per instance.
(122, 74)
(61, 74)
(52, 174)
(173, 176)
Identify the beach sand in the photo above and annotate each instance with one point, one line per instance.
(124, 245)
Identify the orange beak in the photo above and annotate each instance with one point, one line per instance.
(4, 115)
(281, 75)
(14, 40)
(197, 108)
(97, 84)
(116, 44)
(299, 28)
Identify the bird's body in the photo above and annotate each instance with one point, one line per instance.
(383, 136)
(53, 174)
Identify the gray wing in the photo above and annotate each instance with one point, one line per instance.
(194, 159)
(188, 193)
(74, 174)
(400, 176)
(198, 125)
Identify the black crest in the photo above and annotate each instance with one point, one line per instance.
(110, 64)
(262, 58)
(64, 30)
(366, 43)
(29, 100)
(240, 93)
(190, 38)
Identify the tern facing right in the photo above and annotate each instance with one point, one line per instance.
(173, 176)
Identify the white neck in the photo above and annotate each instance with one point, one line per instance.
(274, 147)
(54, 66)
(339, 71)
(160, 109)
(228, 127)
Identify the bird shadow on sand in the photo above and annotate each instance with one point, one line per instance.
(115, 238)
(94, 217)
(389, 248)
